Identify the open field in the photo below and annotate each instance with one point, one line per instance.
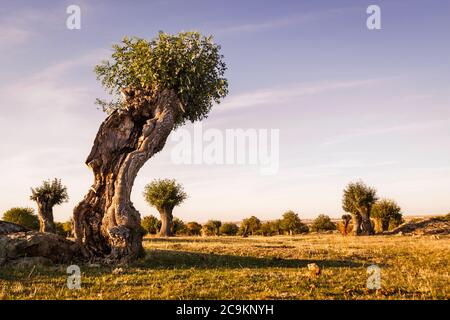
(254, 268)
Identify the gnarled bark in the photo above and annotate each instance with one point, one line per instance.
(105, 221)
(45, 213)
(366, 224)
(356, 217)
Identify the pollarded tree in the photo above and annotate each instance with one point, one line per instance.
(250, 225)
(49, 194)
(164, 195)
(358, 201)
(156, 85)
(385, 212)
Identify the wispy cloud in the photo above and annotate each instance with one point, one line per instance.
(279, 23)
(279, 95)
(408, 127)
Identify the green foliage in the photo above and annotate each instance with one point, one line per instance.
(164, 193)
(178, 226)
(193, 228)
(52, 192)
(387, 215)
(188, 63)
(64, 229)
(23, 216)
(229, 229)
(212, 228)
(250, 225)
(323, 223)
(358, 196)
(292, 224)
(151, 224)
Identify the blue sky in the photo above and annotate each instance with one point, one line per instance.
(350, 103)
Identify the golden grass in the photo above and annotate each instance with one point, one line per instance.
(254, 268)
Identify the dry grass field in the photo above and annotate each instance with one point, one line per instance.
(412, 267)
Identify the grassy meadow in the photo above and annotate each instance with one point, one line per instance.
(412, 267)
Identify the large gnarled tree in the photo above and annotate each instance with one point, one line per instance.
(358, 201)
(164, 195)
(49, 194)
(156, 86)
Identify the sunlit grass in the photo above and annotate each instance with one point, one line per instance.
(254, 268)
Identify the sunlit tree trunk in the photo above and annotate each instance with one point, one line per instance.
(105, 221)
(166, 222)
(356, 218)
(45, 213)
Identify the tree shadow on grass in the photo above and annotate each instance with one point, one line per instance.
(163, 259)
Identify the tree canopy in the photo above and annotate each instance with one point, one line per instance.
(188, 63)
(52, 192)
(164, 193)
(358, 195)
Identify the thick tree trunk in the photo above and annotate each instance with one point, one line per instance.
(356, 218)
(106, 222)
(45, 213)
(366, 224)
(166, 222)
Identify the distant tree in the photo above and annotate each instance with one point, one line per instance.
(266, 228)
(49, 194)
(323, 223)
(292, 224)
(386, 212)
(229, 229)
(178, 226)
(344, 225)
(212, 228)
(358, 201)
(193, 228)
(64, 229)
(164, 195)
(151, 224)
(249, 226)
(23, 216)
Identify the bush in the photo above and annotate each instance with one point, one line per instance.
(387, 215)
(229, 229)
(178, 227)
(151, 224)
(323, 223)
(193, 228)
(23, 216)
(64, 229)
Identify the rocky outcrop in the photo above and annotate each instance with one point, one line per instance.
(425, 227)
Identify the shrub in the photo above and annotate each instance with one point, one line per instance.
(23, 216)
(178, 226)
(193, 228)
(64, 229)
(229, 229)
(151, 224)
(323, 223)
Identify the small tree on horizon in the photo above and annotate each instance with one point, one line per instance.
(151, 224)
(323, 223)
(358, 200)
(229, 229)
(249, 225)
(292, 224)
(212, 228)
(164, 195)
(49, 194)
(193, 228)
